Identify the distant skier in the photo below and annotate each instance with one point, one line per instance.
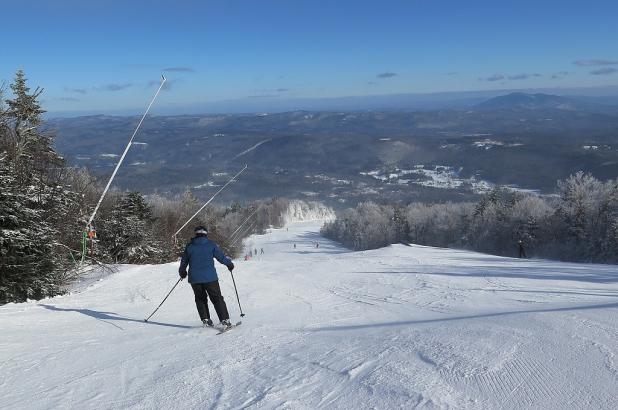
(294, 246)
(522, 251)
(261, 251)
(317, 245)
(198, 256)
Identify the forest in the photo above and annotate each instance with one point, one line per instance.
(578, 223)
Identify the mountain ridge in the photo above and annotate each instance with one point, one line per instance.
(538, 101)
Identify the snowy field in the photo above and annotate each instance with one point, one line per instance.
(400, 327)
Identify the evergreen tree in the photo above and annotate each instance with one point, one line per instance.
(127, 234)
(33, 202)
(29, 267)
(24, 111)
(25, 108)
(402, 229)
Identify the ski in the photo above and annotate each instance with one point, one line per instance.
(227, 329)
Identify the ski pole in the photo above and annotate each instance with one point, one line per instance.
(237, 298)
(170, 292)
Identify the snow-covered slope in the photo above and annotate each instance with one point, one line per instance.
(400, 327)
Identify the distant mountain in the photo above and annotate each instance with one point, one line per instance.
(460, 100)
(519, 101)
(347, 157)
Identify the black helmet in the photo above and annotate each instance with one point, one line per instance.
(200, 230)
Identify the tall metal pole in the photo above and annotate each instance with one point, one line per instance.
(209, 201)
(244, 231)
(124, 154)
(231, 237)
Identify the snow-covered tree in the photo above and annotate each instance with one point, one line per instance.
(25, 141)
(589, 208)
(581, 224)
(33, 201)
(29, 264)
(126, 234)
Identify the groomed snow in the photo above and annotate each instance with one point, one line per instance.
(400, 327)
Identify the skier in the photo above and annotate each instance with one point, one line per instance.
(261, 251)
(522, 251)
(317, 245)
(294, 246)
(198, 256)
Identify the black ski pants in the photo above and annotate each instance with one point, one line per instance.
(212, 289)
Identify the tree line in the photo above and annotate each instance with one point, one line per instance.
(45, 205)
(578, 223)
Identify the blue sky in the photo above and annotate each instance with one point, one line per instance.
(107, 55)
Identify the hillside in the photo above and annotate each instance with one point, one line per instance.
(399, 327)
(536, 101)
(347, 157)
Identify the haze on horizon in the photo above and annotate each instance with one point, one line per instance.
(107, 57)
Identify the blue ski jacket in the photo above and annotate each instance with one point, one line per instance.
(198, 255)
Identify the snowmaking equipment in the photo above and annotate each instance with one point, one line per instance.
(175, 236)
(89, 232)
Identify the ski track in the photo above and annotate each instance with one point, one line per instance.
(399, 327)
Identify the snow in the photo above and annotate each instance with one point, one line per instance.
(206, 185)
(301, 211)
(252, 148)
(527, 191)
(398, 327)
(441, 177)
(334, 181)
(488, 143)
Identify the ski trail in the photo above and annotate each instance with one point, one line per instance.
(398, 327)
(252, 148)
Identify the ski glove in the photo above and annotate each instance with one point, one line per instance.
(183, 274)
(230, 266)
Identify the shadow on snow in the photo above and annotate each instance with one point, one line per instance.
(563, 273)
(107, 317)
(450, 319)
